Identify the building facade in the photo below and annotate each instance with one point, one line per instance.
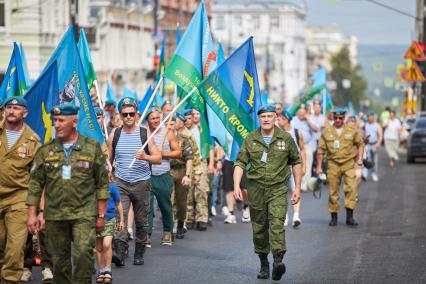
(324, 42)
(278, 28)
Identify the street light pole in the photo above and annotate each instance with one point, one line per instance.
(73, 9)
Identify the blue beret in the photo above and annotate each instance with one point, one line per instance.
(127, 101)
(110, 102)
(98, 111)
(287, 115)
(151, 110)
(338, 111)
(65, 109)
(187, 112)
(370, 113)
(180, 116)
(266, 108)
(15, 100)
(166, 103)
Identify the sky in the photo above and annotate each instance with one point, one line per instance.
(370, 23)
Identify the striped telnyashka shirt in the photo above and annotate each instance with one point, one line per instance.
(127, 146)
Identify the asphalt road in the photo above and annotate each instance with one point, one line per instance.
(389, 245)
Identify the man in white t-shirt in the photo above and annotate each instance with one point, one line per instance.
(393, 128)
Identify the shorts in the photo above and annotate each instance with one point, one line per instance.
(228, 177)
(109, 229)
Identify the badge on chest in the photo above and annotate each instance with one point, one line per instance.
(336, 144)
(66, 172)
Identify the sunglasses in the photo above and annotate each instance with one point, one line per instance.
(339, 118)
(126, 114)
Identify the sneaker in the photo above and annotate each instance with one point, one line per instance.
(296, 221)
(286, 220)
(375, 178)
(213, 211)
(167, 239)
(130, 234)
(148, 243)
(246, 216)
(27, 275)
(46, 275)
(225, 211)
(230, 219)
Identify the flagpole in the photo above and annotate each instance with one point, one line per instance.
(95, 83)
(150, 101)
(163, 122)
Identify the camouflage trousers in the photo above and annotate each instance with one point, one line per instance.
(335, 173)
(76, 239)
(197, 203)
(268, 206)
(179, 195)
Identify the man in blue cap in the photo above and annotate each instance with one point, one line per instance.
(71, 171)
(339, 142)
(18, 146)
(270, 151)
(125, 144)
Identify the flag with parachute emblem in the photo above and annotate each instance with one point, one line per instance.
(72, 85)
(25, 66)
(41, 98)
(192, 60)
(232, 91)
(14, 82)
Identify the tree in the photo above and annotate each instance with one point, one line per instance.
(343, 72)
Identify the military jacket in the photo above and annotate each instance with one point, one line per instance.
(74, 198)
(268, 165)
(16, 164)
(339, 149)
(190, 151)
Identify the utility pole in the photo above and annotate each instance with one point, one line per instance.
(73, 9)
(421, 37)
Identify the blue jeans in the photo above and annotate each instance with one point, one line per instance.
(215, 185)
(371, 156)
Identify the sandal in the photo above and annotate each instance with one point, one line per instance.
(100, 278)
(107, 277)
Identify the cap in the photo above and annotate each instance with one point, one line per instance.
(338, 111)
(187, 112)
(180, 116)
(167, 102)
(266, 108)
(287, 115)
(127, 101)
(65, 109)
(98, 111)
(15, 100)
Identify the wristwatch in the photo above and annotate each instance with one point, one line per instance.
(101, 216)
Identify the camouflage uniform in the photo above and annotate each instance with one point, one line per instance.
(341, 163)
(14, 176)
(178, 171)
(267, 186)
(71, 205)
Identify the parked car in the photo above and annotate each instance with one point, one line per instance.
(416, 144)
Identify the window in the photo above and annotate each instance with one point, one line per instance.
(220, 23)
(238, 21)
(275, 22)
(2, 14)
(256, 22)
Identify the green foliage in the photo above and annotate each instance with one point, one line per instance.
(342, 68)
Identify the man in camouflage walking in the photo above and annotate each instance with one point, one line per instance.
(269, 151)
(72, 171)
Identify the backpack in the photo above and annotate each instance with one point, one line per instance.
(117, 133)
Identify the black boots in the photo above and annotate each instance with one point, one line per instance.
(278, 268)
(201, 226)
(180, 232)
(350, 221)
(264, 266)
(118, 253)
(139, 252)
(333, 221)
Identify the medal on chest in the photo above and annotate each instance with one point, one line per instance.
(281, 145)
